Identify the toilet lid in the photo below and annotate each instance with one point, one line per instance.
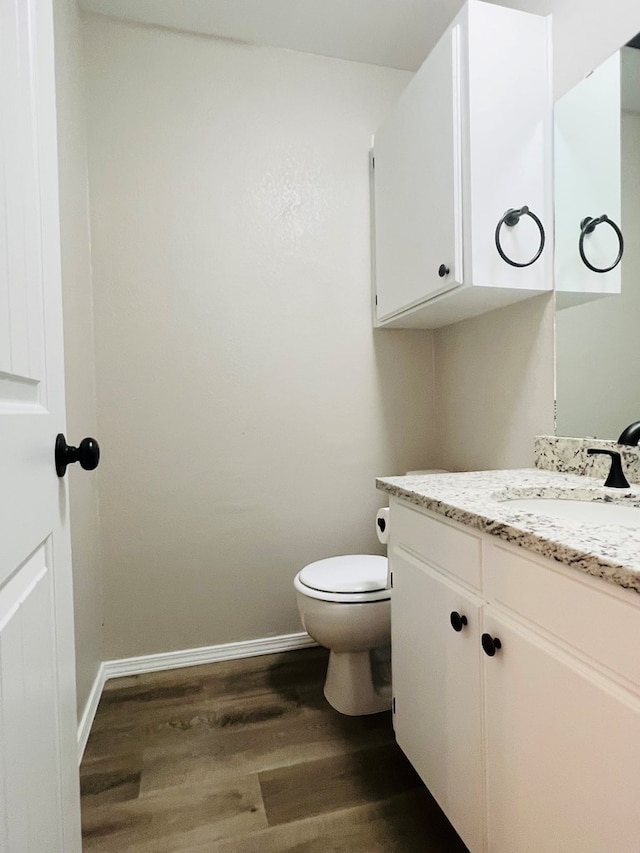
(354, 573)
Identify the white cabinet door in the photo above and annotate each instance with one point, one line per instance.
(508, 123)
(468, 141)
(417, 191)
(563, 751)
(437, 691)
(39, 801)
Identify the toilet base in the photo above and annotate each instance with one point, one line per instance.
(349, 685)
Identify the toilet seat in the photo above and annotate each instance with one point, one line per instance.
(351, 579)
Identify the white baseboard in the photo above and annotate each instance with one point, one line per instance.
(90, 708)
(175, 660)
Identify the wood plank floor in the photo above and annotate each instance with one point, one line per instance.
(247, 757)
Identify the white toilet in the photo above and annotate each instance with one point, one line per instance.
(345, 605)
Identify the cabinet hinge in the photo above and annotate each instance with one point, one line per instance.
(390, 580)
(393, 704)
(376, 298)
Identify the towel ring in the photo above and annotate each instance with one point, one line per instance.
(511, 218)
(586, 227)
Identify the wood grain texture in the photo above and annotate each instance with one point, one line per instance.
(351, 779)
(242, 756)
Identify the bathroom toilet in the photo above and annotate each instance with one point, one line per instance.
(345, 606)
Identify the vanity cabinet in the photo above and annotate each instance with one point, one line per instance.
(562, 751)
(468, 140)
(538, 746)
(438, 713)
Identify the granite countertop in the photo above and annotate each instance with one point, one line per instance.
(479, 499)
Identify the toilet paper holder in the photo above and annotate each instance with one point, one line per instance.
(382, 525)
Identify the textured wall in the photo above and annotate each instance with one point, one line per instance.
(220, 367)
(494, 386)
(245, 403)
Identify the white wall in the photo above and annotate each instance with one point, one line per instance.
(494, 386)
(78, 339)
(207, 203)
(585, 33)
(245, 403)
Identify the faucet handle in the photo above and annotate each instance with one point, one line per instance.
(615, 478)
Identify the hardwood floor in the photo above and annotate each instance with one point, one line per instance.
(246, 756)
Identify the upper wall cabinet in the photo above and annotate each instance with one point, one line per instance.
(587, 167)
(468, 141)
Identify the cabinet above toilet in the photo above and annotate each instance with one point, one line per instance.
(468, 140)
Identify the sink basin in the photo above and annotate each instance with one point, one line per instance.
(582, 511)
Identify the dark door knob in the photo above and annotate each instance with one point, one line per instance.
(458, 620)
(443, 270)
(87, 454)
(490, 644)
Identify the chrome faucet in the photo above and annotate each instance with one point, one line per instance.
(630, 435)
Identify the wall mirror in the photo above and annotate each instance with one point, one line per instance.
(597, 171)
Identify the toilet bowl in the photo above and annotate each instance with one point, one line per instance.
(345, 606)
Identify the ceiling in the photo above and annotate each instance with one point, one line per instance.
(394, 33)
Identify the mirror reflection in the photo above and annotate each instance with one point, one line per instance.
(598, 172)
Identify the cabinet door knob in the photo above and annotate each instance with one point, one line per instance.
(458, 620)
(443, 270)
(490, 644)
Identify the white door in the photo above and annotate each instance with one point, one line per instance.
(39, 809)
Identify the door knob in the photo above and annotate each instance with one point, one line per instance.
(87, 454)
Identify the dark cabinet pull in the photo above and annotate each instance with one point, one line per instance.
(443, 270)
(87, 454)
(586, 227)
(511, 218)
(458, 620)
(490, 644)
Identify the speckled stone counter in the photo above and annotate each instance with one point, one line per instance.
(569, 455)
(480, 499)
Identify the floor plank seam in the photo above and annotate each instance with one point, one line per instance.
(246, 756)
